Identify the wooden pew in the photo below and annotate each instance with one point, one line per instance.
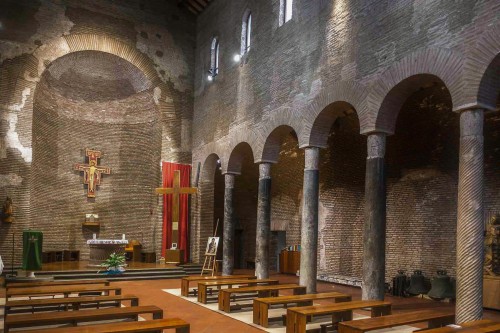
(186, 280)
(434, 318)
(261, 305)
(60, 290)
(75, 303)
(204, 285)
(296, 318)
(263, 291)
(55, 283)
(75, 317)
(157, 325)
(476, 326)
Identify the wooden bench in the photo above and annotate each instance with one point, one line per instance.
(186, 280)
(60, 290)
(435, 318)
(156, 325)
(476, 326)
(55, 283)
(261, 305)
(75, 317)
(75, 303)
(296, 318)
(204, 285)
(263, 291)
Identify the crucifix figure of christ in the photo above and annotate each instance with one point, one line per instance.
(176, 190)
(92, 172)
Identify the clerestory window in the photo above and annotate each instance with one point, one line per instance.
(286, 10)
(214, 58)
(246, 33)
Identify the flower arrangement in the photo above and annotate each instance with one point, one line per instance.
(114, 264)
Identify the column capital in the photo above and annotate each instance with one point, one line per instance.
(234, 173)
(311, 158)
(264, 170)
(376, 145)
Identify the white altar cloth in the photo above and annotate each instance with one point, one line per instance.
(107, 241)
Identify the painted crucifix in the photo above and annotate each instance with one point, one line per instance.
(92, 172)
(176, 190)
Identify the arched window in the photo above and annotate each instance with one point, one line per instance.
(214, 57)
(285, 11)
(246, 32)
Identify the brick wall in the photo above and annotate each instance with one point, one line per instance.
(134, 101)
(327, 42)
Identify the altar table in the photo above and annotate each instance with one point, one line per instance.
(100, 249)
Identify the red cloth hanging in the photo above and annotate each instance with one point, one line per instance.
(168, 180)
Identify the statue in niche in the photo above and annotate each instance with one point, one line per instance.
(7, 211)
(492, 246)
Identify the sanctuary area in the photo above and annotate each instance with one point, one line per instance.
(285, 166)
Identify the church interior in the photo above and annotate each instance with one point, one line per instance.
(282, 166)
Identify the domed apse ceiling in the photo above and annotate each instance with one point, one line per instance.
(95, 77)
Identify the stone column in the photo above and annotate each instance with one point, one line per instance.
(263, 222)
(228, 238)
(375, 220)
(309, 227)
(470, 225)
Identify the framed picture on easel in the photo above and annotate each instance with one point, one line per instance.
(212, 244)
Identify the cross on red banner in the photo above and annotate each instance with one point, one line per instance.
(168, 170)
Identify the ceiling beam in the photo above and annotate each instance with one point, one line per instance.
(194, 4)
(203, 3)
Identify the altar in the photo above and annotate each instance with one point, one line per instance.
(100, 249)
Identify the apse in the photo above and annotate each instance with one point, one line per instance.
(94, 100)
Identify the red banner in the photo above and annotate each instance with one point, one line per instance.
(168, 179)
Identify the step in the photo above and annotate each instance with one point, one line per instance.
(107, 276)
(93, 270)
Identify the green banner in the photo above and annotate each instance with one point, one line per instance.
(32, 250)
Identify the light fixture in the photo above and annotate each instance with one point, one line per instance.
(237, 57)
(210, 77)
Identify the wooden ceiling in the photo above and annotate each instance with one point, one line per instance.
(194, 6)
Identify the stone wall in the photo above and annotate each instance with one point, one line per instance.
(114, 76)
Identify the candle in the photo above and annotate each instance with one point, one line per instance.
(94, 236)
(123, 236)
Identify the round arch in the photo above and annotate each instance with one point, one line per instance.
(203, 218)
(482, 72)
(264, 141)
(321, 126)
(393, 86)
(396, 97)
(271, 147)
(235, 160)
(344, 91)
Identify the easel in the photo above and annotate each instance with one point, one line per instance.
(210, 264)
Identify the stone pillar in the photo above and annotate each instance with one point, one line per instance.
(375, 220)
(263, 222)
(470, 225)
(228, 238)
(309, 227)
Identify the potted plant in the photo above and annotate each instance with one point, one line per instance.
(114, 264)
